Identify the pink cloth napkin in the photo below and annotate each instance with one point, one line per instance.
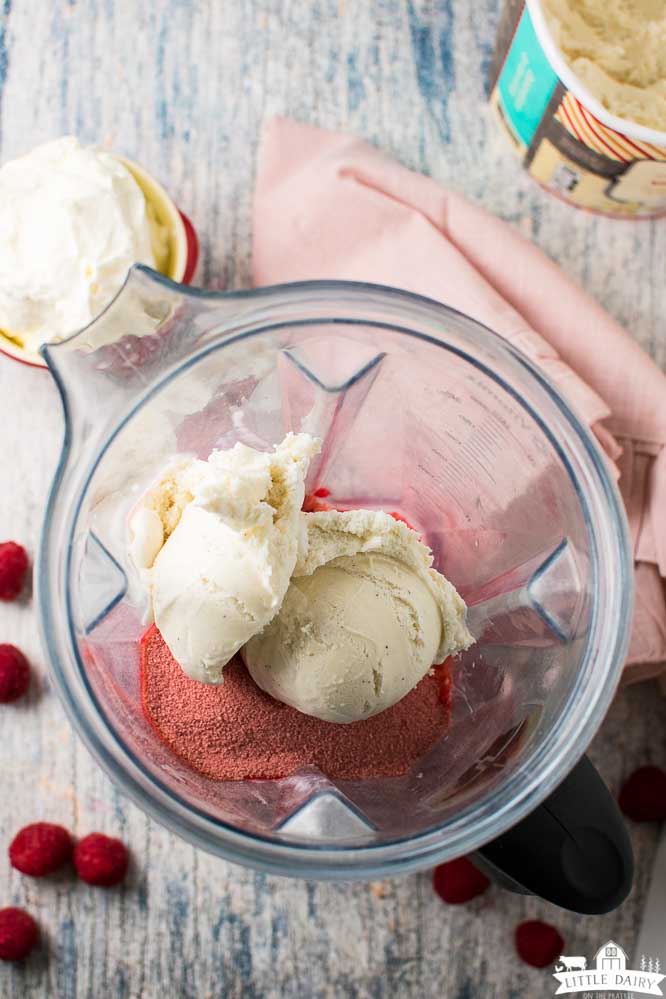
(331, 206)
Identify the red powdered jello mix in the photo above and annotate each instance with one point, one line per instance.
(237, 732)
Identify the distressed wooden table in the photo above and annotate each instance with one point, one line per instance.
(183, 86)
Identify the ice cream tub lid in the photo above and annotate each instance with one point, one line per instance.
(567, 140)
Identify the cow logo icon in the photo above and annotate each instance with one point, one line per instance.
(571, 964)
(609, 974)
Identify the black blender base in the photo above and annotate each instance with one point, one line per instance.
(573, 850)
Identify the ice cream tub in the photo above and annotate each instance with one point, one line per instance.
(567, 140)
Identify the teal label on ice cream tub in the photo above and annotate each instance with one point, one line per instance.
(527, 81)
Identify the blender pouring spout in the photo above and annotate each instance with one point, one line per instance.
(151, 327)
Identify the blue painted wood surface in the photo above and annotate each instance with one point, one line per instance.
(183, 86)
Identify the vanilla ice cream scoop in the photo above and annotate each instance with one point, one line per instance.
(218, 541)
(160, 510)
(364, 619)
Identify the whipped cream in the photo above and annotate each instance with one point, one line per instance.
(73, 220)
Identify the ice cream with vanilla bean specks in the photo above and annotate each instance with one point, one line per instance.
(217, 541)
(336, 613)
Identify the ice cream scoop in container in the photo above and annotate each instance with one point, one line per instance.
(421, 410)
(74, 219)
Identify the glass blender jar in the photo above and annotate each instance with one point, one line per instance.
(419, 409)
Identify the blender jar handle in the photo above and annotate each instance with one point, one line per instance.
(573, 850)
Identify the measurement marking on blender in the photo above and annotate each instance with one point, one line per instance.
(478, 454)
(483, 442)
(454, 470)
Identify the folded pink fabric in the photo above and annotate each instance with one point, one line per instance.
(331, 206)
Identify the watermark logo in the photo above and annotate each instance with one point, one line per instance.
(610, 974)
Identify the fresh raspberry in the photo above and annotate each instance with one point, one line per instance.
(458, 881)
(13, 567)
(538, 944)
(101, 860)
(643, 795)
(14, 674)
(18, 934)
(40, 849)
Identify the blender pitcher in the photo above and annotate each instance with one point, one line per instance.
(421, 410)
